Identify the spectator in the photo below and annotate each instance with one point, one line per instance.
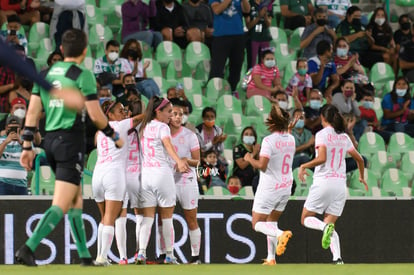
(104, 94)
(26, 10)
(301, 83)
(241, 168)
(17, 109)
(296, 13)
(403, 34)
(132, 52)
(12, 34)
(214, 173)
(321, 69)
(178, 92)
(312, 112)
(136, 16)
(398, 108)
(228, 39)
(265, 76)
(110, 69)
(316, 32)
(210, 135)
(346, 104)
(234, 185)
(336, 10)
(13, 177)
(406, 59)
(258, 23)
(54, 57)
(304, 140)
(199, 19)
(7, 84)
(170, 21)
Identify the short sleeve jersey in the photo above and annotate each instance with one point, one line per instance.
(313, 67)
(302, 85)
(337, 146)
(121, 65)
(134, 156)
(279, 148)
(230, 21)
(64, 75)
(267, 75)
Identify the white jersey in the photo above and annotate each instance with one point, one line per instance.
(108, 154)
(185, 142)
(134, 156)
(279, 148)
(337, 146)
(154, 155)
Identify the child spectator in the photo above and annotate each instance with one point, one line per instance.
(210, 135)
(234, 185)
(301, 83)
(213, 171)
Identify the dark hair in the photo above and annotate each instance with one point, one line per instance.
(402, 16)
(14, 18)
(279, 119)
(178, 102)
(74, 42)
(333, 117)
(319, 10)
(108, 106)
(133, 91)
(275, 94)
(249, 128)
(322, 47)
(233, 177)
(49, 59)
(265, 51)
(150, 111)
(208, 109)
(210, 151)
(297, 110)
(386, 26)
(125, 76)
(301, 59)
(351, 10)
(343, 82)
(124, 52)
(407, 95)
(342, 38)
(113, 43)
(135, 107)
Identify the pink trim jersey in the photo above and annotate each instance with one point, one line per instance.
(134, 156)
(337, 146)
(279, 148)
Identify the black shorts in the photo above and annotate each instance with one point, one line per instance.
(65, 152)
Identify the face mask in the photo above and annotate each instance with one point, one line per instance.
(20, 113)
(184, 119)
(348, 93)
(249, 140)
(209, 123)
(283, 105)
(315, 104)
(234, 189)
(113, 56)
(321, 22)
(130, 86)
(341, 52)
(368, 104)
(380, 21)
(401, 92)
(300, 124)
(302, 71)
(132, 53)
(405, 26)
(103, 99)
(356, 22)
(270, 63)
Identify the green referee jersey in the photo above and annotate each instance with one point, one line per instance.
(64, 75)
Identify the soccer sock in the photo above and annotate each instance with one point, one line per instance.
(137, 229)
(278, 231)
(314, 223)
(78, 232)
(335, 246)
(46, 225)
(195, 241)
(121, 236)
(99, 242)
(107, 238)
(160, 241)
(168, 234)
(271, 247)
(144, 234)
(266, 228)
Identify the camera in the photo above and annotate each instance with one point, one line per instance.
(13, 32)
(12, 129)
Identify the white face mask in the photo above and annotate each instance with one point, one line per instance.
(283, 105)
(270, 63)
(184, 119)
(400, 92)
(380, 21)
(20, 113)
(249, 140)
(113, 56)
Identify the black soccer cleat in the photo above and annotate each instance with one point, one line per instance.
(89, 262)
(25, 256)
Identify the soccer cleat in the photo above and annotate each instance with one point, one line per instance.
(88, 262)
(123, 262)
(282, 242)
(102, 262)
(269, 262)
(25, 256)
(195, 260)
(141, 259)
(170, 260)
(338, 261)
(160, 259)
(327, 234)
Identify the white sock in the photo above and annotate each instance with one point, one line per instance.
(314, 223)
(168, 234)
(121, 236)
(99, 241)
(271, 247)
(278, 231)
(137, 229)
(195, 241)
(160, 241)
(266, 228)
(145, 234)
(335, 246)
(107, 238)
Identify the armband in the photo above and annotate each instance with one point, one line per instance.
(28, 133)
(28, 148)
(108, 131)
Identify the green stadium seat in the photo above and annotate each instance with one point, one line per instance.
(405, 3)
(235, 124)
(283, 57)
(146, 50)
(380, 162)
(37, 32)
(107, 6)
(191, 86)
(257, 105)
(217, 191)
(46, 47)
(202, 72)
(380, 74)
(302, 188)
(199, 102)
(278, 36)
(45, 178)
(217, 87)
(356, 188)
(294, 42)
(154, 68)
(227, 105)
(407, 164)
(246, 191)
(114, 21)
(230, 142)
(196, 52)
(99, 34)
(394, 183)
(90, 167)
(399, 143)
(94, 15)
(378, 108)
(370, 143)
(88, 63)
(166, 52)
(288, 73)
(176, 70)
(161, 83)
(228, 155)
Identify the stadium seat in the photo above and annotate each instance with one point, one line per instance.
(191, 86)
(88, 63)
(227, 105)
(407, 164)
(378, 108)
(167, 51)
(399, 143)
(356, 188)
(196, 52)
(154, 68)
(387, 88)
(94, 15)
(114, 22)
(393, 183)
(380, 162)
(257, 105)
(380, 74)
(302, 188)
(107, 6)
(370, 143)
(217, 191)
(176, 70)
(146, 50)
(202, 72)
(405, 3)
(217, 87)
(161, 83)
(288, 73)
(283, 57)
(294, 42)
(235, 124)
(90, 166)
(230, 142)
(37, 32)
(278, 36)
(228, 155)
(99, 34)
(246, 191)
(199, 102)
(46, 47)
(45, 179)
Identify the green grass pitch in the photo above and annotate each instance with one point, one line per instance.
(214, 269)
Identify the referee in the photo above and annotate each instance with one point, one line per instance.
(64, 143)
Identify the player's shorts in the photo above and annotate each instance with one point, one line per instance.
(267, 198)
(125, 201)
(157, 189)
(108, 184)
(328, 197)
(65, 154)
(187, 193)
(133, 187)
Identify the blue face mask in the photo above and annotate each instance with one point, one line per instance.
(103, 99)
(300, 124)
(400, 92)
(315, 104)
(249, 140)
(368, 104)
(342, 52)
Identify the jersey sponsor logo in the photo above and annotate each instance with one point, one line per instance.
(57, 71)
(282, 144)
(56, 103)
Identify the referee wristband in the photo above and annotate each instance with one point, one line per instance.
(28, 133)
(108, 131)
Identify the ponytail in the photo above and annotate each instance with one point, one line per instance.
(333, 117)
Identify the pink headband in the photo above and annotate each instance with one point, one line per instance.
(110, 107)
(163, 103)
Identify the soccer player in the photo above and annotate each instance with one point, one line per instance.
(275, 183)
(158, 186)
(64, 144)
(327, 194)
